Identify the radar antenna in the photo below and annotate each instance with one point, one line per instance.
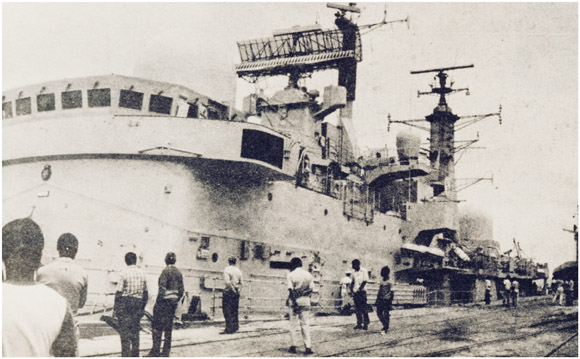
(443, 90)
(299, 51)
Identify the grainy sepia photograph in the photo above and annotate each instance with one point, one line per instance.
(290, 179)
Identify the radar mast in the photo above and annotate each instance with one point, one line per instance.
(443, 125)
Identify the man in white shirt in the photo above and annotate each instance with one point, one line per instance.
(231, 296)
(360, 277)
(515, 292)
(36, 320)
(487, 292)
(65, 276)
(507, 287)
(345, 293)
(300, 286)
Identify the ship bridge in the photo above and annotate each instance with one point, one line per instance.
(130, 118)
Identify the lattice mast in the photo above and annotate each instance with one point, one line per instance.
(443, 126)
(442, 134)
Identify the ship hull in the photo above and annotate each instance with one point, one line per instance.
(202, 209)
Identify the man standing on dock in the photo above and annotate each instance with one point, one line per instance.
(384, 300)
(231, 296)
(559, 293)
(360, 277)
(487, 292)
(300, 286)
(515, 292)
(507, 287)
(346, 305)
(64, 275)
(130, 301)
(170, 292)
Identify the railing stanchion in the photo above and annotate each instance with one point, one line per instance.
(213, 301)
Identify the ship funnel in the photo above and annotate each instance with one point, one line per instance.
(408, 145)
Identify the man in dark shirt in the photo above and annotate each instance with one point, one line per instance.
(384, 300)
(170, 292)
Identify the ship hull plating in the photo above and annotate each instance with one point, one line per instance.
(152, 205)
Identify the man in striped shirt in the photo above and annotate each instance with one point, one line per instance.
(130, 300)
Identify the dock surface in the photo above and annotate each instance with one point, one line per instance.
(536, 328)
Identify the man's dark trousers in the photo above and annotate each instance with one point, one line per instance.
(129, 313)
(384, 314)
(361, 308)
(230, 305)
(163, 314)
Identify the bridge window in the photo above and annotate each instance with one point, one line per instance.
(160, 104)
(72, 99)
(23, 106)
(193, 111)
(45, 102)
(131, 99)
(212, 114)
(216, 110)
(6, 109)
(263, 146)
(99, 97)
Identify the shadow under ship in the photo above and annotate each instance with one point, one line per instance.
(127, 164)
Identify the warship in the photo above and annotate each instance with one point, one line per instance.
(128, 164)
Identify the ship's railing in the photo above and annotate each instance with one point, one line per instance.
(446, 297)
(255, 300)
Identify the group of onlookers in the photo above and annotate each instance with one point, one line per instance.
(301, 285)
(564, 292)
(40, 303)
(131, 297)
(511, 292)
(353, 292)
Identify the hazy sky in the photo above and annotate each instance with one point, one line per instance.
(525, 56)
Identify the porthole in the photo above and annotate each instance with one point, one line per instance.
(214, 257)
(46, 173)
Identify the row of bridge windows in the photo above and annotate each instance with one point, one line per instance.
(97, 98)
